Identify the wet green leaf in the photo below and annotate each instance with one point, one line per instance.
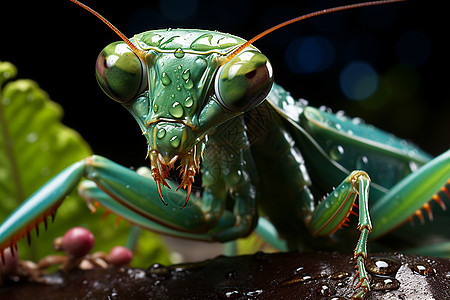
(34, 147)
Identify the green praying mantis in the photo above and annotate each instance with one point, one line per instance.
(207, 104)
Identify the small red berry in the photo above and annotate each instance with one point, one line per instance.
(120, 255)
(78, 242)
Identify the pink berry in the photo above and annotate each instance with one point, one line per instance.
(11, 262)
(120, 255)
(78, 242)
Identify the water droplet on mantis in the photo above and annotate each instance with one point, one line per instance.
(336, 152)
(165, 79)
(179, 53)
(186, 74)
(362, 162)
(176, 110)
(188, 102)
(161, 133)
(413, 166)
(188, 84)
(175, 141)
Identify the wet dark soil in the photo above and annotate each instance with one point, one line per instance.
(261, 276)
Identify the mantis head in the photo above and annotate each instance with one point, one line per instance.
(178, 95)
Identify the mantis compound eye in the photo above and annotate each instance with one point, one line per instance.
(244, 82)
(120, 73)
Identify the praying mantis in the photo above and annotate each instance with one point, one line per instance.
(206, 103)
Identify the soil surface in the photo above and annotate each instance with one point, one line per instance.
(290, 275)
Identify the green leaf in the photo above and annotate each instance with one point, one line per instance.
(34, 147)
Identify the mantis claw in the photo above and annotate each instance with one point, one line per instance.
(158, 184)
(160, 171)
(189, 187)
(187, 173)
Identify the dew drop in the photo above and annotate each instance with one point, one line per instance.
(253, 293)
(384, 283)
(382, 265)
(231, 275)
(175, 141)
(234, 177)
(324, 290)
(179, 53)
(336, 152)
(188, 102)
(306, 278)
(340, 114)
(155, 108)
(357, 121)
(161, 133)
(303, 102)
(158, 270)
(413, 166)
(230, 293)
(337, 126)
(188, 84)
(362, 162)
(339, 275)
(157, 283)
(186, 74)
(422, 269)
(165, 79)
(176, 110)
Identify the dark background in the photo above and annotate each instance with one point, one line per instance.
(56, 44)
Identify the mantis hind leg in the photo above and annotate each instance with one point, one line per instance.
(411, 196)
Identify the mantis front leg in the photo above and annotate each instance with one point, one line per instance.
(332, 213)
(136, 200)
(124, 192)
